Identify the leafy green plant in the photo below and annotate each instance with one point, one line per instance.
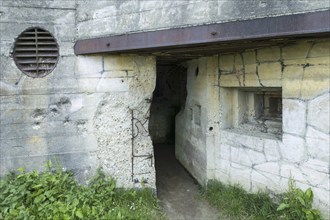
(236, 203)
(297, 204)
(55, 194)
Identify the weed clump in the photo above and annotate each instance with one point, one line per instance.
(297, 204)
(55, 194)
(236, 203)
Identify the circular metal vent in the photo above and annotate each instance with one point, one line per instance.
(36, 52)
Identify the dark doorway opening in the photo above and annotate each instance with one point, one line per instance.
(168, 99)
(176, 189)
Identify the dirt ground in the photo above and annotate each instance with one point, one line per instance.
(178, 192)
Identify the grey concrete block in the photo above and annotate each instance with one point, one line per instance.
(38, 86)
(81, 143)
(161, 18)
(29, 103)
(37, 15)
(127, 7)
(81, 163)
(192, 159)
(111, 74)
(94, 9)
(127, 22)
(103, 84)
(42, 146)
(146, 5)
(114, 17)
(9, 69)
(135, 20)
(58, 4)
(198, 12)
(9, 116)
(242, 10)
(45, 128)
(89, 65)
(318, 113)
(175, 3)
(10, 102)
(65, 68)
(86, 29)
(30, 163)
(5, 47)
(66, 48)
(77, 113)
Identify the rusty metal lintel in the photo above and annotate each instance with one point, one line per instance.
(308, 24)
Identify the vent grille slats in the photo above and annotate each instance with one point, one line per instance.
(32, 68)
(36, 52)
(33, 38)
(39, 49)
(33, 61)
(39, 55)
(39, 43)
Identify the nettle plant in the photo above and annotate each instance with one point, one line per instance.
(55, 194)
(297, 204)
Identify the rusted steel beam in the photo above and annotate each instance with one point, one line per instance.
(308, 24)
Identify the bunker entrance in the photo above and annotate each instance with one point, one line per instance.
(176, 189)
(168, 99)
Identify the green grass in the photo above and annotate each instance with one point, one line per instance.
(236, 203)
(56, 195)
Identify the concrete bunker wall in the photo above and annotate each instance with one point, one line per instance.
(84, 113)
(119, 89)
(102, 123)
(111, 17)
(196, 123)
(213, 142)
(34, 111)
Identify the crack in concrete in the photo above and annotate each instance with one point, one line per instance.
(243, 69)
(257, 68)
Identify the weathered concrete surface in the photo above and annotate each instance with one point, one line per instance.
(305, 90)
(195, 124)
(128, 160)
(71, 113)
(118, 17)
(82, 112)
(58, 4)
(39, 117)
(251, 153)
(92, 121)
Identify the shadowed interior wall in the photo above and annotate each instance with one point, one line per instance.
(168, 98)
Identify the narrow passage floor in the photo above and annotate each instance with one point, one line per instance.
(178, 193)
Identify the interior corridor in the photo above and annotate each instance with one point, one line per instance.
(177, 191)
